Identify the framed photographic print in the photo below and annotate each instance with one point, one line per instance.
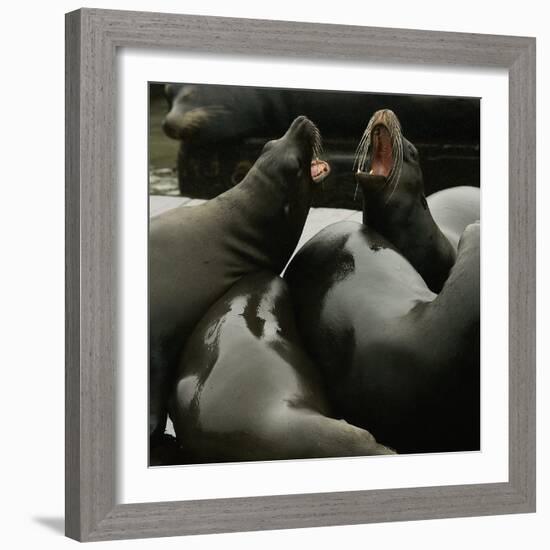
(300, 275)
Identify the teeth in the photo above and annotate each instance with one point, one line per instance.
(371, 172)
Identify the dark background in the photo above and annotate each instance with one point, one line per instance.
(445, 131)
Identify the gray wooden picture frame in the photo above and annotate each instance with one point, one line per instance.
(92, 39)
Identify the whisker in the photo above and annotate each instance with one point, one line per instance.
(361, 154)
(317, 146)
(364, 149)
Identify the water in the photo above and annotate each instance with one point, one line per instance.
(163, 151)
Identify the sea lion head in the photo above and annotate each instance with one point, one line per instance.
(388, 170)
(296, 154)
(201, 114)
(191, 112)
(292, 164)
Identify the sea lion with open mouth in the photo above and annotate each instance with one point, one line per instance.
(196, 254)
(396, 358)
(394, 204)
(246, 390)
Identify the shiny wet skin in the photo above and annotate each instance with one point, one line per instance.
(246, 389)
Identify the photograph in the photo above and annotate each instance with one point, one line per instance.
(270, 275)
(313, 273)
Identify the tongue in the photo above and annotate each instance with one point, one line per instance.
(382, 161)
(319, 170)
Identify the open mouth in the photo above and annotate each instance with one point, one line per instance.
(379, 157)
(382, 152)
(320, 169)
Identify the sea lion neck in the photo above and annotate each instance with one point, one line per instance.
(272, 211)
(410, 227)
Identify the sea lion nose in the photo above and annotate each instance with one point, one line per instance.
(301, 126)
(298, 122)
(167, 128)
(170, 127)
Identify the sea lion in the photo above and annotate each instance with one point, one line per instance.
(209, 114)
(394, 355)
(396, 358)
(395, 205)
(246, 390)
(196, 254)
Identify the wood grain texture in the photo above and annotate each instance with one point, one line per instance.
(92, 37)
(522, 274)
(72, 276)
